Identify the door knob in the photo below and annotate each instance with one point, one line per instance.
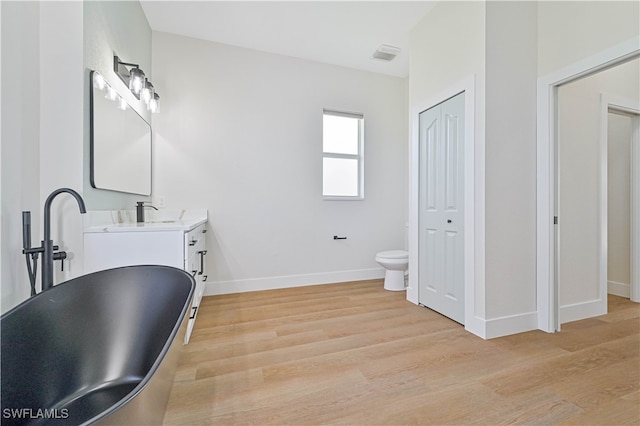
(448, 220)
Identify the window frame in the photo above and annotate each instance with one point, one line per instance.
(359, 156)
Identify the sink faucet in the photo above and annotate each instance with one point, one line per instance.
(140, 205)
(48, 248)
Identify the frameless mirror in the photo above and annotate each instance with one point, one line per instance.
(120, 142)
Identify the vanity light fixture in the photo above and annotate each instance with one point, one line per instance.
(134, 78)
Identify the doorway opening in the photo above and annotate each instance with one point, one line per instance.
(550, 216)
(593, 188)
(623, 127)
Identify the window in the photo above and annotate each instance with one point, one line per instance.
(342, 168)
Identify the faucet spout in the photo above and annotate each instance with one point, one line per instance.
(140, 205)
(47, 208)
(47, 243)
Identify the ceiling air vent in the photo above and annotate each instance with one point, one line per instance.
(386, 53)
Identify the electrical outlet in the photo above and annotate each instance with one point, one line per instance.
(161, 201)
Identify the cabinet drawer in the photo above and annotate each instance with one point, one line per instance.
(194, 251)
(195, 261)
(194, 240)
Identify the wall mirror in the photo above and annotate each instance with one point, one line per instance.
(120, 142)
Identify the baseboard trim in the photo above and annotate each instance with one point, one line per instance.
(619, 289)
(288, 281)
(579, 311)
(503, 326)
(512, 324)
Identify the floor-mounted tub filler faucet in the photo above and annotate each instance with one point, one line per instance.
(48, 250)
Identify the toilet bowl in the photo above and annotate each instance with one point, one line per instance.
(395, 263)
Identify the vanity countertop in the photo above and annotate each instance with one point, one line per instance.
(160, 220)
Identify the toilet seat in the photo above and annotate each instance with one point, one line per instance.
(393, 254)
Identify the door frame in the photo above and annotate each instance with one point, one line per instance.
(635, 211)
(473, 201)
(546, 166)
(629, 106)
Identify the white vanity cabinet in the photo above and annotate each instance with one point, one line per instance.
(181, 245)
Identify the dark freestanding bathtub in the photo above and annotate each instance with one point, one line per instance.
(101, 348)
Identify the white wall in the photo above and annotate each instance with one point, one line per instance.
(45, 111)
(20, 142)
(446, 46)
(240, 133)
(510, 170)
(579, 163)
(42, 137)
(61, 129)
(619, 200)
(570, 31)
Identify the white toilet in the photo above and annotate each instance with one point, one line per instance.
(395, 262)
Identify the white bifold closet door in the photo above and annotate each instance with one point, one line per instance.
(441, 219)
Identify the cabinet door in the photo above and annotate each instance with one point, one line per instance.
(196, 251)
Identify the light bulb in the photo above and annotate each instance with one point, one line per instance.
(136, 80)
(154, 104)
(146, 94)
(98, 81)
(122, 104)
(111, 94)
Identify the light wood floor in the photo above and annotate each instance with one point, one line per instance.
(354, 353)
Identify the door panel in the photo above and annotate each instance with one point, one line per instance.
(441, 226)
(430, 261)
(431, 161)
(450, 242)
(451, 142)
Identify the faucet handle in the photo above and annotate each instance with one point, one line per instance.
(61, 256)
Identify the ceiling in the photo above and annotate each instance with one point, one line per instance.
(344, 33)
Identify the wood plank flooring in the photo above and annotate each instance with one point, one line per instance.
(353, 353)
